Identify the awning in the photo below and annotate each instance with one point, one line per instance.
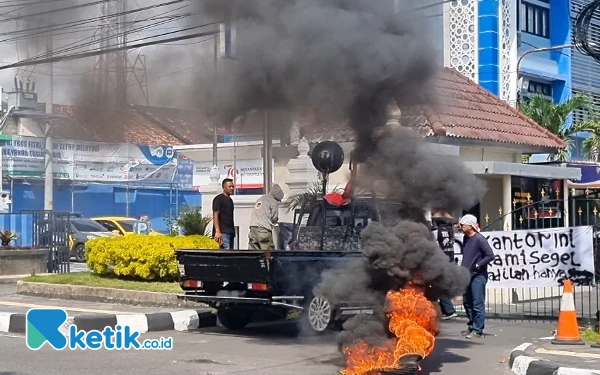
(589, 179)
(524, 170)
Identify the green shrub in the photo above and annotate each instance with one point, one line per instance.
(192, 222)
(140, 256)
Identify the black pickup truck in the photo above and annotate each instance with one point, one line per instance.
(249, 286)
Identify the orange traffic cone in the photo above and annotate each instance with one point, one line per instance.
(568, 330)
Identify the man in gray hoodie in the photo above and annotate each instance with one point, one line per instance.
(264, 216)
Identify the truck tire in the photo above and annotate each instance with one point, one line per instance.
(319, 314)
(233, 319)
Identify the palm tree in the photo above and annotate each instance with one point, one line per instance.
(553, 117)
(307, 198)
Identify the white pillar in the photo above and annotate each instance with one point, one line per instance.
(507, 202)
(565, 191)
(302, 172)
(210, 191)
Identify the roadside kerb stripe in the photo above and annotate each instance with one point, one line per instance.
(522, 364)
(185, 320)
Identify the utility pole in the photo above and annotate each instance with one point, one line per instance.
(267, 154)
(48, 159)
(215, 72)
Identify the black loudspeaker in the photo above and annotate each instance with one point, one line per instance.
(327, 157)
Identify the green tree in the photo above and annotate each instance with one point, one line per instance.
(554, 116)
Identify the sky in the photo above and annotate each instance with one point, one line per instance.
(170, 67)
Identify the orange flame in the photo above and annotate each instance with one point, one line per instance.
(413, 320)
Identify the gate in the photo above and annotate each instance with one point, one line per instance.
(543, 303)
(51, 230)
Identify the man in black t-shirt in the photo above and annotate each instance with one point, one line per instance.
(223, 226)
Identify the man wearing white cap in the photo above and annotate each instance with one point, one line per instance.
(477, 254)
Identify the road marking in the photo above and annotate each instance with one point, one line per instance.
(567, 353)
(547, 338)
(11, 336)
(522, 347)
(77, 309)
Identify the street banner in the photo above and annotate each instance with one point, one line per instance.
(248, 174)
(538, 257)
(89, 161)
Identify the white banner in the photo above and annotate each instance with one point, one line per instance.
(89, 161)
(538, 257)
(247, 174)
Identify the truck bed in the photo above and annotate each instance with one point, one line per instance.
(289, 272)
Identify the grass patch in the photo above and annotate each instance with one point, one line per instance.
(590, 336)
(89, 279)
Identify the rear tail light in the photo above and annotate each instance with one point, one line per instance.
(192, 284)
(258, 286)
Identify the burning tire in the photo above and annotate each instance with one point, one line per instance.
(319, 314)
(233, 319)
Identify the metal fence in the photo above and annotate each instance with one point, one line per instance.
(582, 208)
(42, 230)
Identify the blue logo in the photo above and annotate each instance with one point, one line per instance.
(51, 326)
(157, 155)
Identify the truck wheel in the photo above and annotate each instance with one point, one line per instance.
(233, 319)
(319, 314)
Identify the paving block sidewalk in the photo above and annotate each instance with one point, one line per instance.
(549, 359)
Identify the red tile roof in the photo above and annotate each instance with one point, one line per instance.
(463, 109)
(144, 125)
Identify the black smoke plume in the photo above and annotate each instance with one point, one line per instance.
(340, 59)
(349, 60)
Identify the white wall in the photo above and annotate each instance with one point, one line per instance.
(487, 154)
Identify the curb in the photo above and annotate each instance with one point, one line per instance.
(106, 295)
(13, 279)
(522, 364)
(185, 320)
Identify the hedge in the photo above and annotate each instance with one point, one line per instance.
(140, 256)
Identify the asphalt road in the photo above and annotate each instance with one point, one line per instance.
(267, 350)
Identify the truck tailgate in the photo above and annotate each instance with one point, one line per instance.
(231, 266)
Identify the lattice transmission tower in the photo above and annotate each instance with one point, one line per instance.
(117, 74)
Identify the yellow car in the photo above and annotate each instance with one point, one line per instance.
(121, 225)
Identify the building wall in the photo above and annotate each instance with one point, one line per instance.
(545, 23)
(483, 39)
(95, 199)
(585, 76)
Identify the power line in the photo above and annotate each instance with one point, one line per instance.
(83, 55)
(68, 25)
(46, 12)
(581, 32)
(85, 41)
(74, 46)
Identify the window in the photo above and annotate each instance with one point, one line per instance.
(534, 19)
(108, 225)
(540, 88)
(86, 225)
(127, 225)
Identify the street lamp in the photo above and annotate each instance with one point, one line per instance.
(535, 50)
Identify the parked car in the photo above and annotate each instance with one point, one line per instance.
(74, 235)
(120, 225)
